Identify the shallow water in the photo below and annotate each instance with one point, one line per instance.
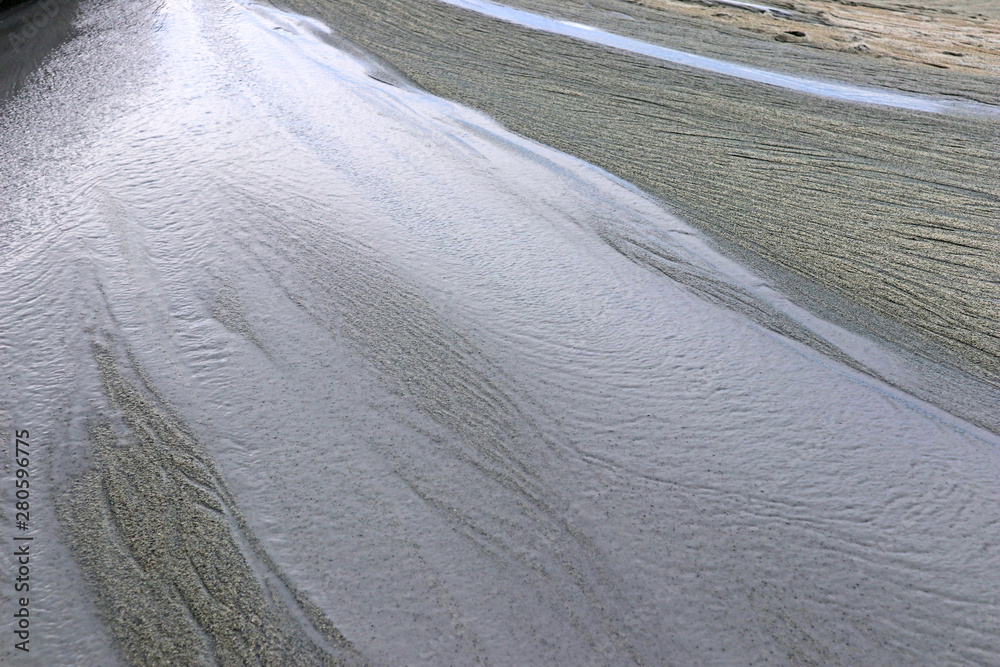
(410, 376)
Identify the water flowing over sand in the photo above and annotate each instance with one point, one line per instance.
(322, 368)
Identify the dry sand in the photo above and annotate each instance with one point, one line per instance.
(963, 36)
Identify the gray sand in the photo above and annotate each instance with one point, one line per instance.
(881, 219)
(322, 367)
(177, 576)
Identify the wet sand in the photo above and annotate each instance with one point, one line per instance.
(323, 368)
(178, 576)
(880, 219)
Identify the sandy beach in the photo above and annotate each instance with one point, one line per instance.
(389, 332)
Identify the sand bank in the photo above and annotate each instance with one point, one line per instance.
(881, 219)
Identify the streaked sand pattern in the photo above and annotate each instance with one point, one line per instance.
(178, 576)
(846, 205)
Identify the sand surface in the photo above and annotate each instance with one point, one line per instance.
(963, 36)
(328, 368)
(880, 219)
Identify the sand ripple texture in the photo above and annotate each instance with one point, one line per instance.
(883, 219)
(321, 369)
